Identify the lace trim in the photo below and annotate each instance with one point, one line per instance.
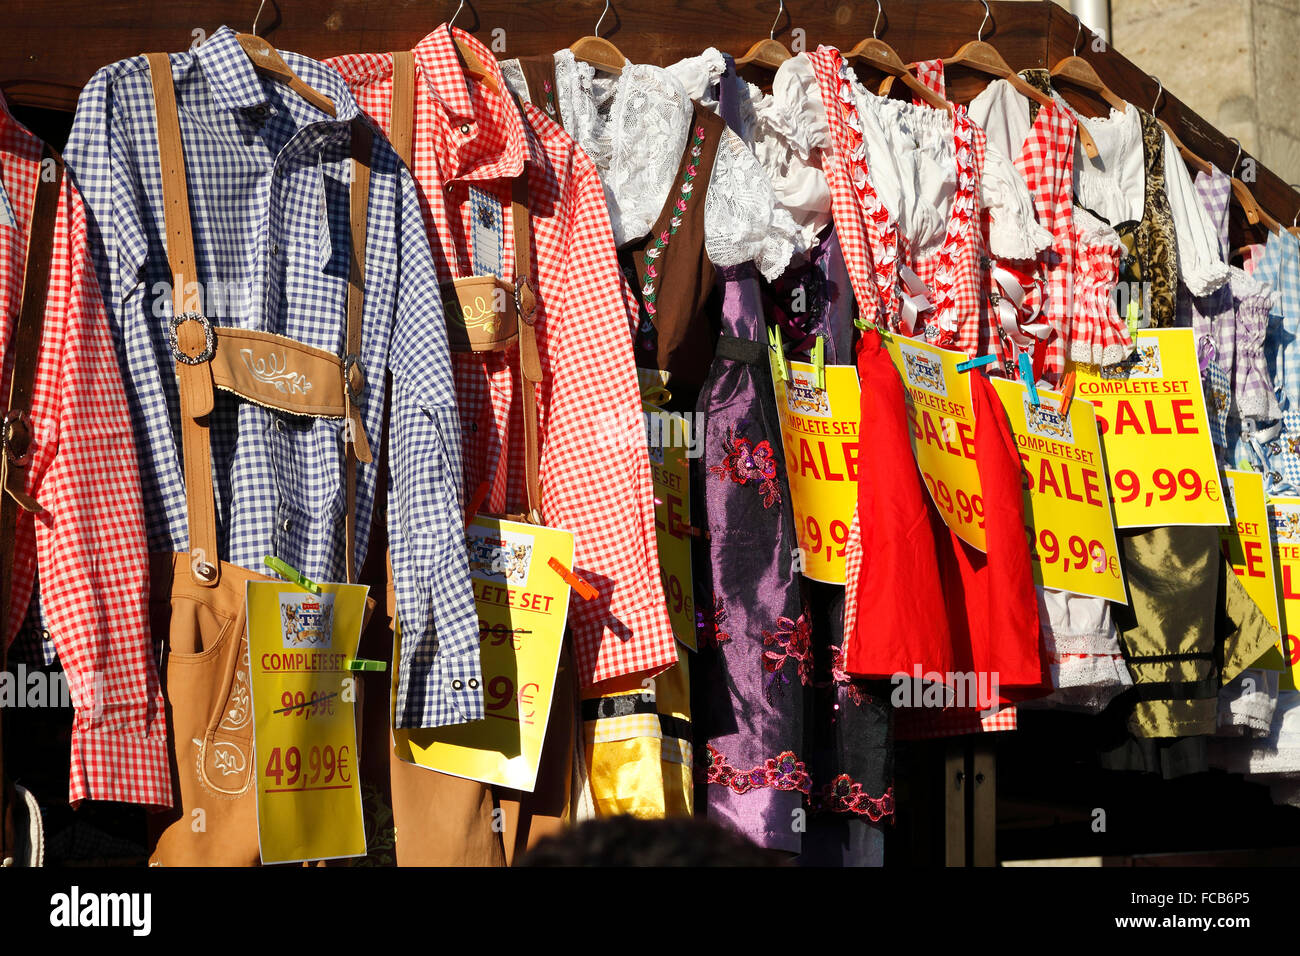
(844, 795)
(650, 290)
(782, 772)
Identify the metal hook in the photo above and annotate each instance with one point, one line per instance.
(988, 15)
(879, 13)
(1233, 139)
(459, 8)
(1078, 35)
(602, 18)
(1160, 89)
(258, 16)
(1296, 217)
(771, 34)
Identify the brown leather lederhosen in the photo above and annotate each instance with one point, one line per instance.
(443, 820)
(15, 438)
(539, 75)
(197, 599)
(683, 337)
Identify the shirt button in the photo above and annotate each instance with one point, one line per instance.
(275, 248)
(280, 426)
(286, 525)
(280, 172)
(473, 684)
(456, 685)
(465, 130)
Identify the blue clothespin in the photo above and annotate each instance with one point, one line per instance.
(290, 574)
(819, 361)
(969, 364)
(1027, 376)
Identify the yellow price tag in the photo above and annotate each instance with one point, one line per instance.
(1151, 412)
(1284, 515)
(1248, 549)
(942, 420)
(1067, 511)
(522, 606)
(304, 719)
(819, 432)
(669, 444)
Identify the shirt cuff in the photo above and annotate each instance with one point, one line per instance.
(452, 693)
(119, 766)
(624, 642)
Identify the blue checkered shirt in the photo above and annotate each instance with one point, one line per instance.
(268, 186)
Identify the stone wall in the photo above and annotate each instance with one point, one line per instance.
(1235, 62)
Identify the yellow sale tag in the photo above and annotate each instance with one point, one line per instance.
(522, 606)
(819, 431)
(941, 415)
(1249, 551)
(669, 444)
(1284, 515)
(1151, 412)
(1069, 524)
(304, 720)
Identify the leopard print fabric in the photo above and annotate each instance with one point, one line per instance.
(1152, 242)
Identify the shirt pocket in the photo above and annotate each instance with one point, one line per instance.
(307, 462)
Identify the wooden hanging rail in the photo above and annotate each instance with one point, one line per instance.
(51, 47)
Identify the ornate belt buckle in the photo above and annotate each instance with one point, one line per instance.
(353, 361)
(209, 338)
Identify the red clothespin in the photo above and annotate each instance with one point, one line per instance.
(476, 502)
(585, 590)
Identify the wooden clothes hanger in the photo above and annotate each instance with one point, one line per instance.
(268, 62)
(984, 58)
(1255, 214)
(1294, 229)
(474, 67)
(1074, 70)
(596, 51)
(879, 55)
(767, 54)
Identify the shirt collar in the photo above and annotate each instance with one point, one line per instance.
(440, 64)
(236, 85)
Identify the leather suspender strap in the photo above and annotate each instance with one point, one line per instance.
(194, 340)
(354, 380)
(402, 117)
(530, 362)
(24, 346)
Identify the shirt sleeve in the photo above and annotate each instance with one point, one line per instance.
(743, 221)
(90, 542)
(598, 485)
(1014, 230)
(439, 674)
(1199, 265)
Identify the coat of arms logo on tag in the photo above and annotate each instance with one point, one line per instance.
(923, 370)
(306, 620)
(503, 556)
(1143, 363)
(1047, 422)
(803, 396)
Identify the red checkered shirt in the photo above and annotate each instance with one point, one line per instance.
(595, 472)
(89, 541)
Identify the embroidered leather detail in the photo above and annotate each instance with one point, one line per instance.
(745, 462)
(273, 369)
(843, 795)
(793, 642)
(782, 772)
(549, 88)
(650, 289)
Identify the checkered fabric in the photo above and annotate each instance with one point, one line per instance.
(924, 724)
(595, 472)
(89, 544)
(268, 185)
(1279, 267)
(1218, 400)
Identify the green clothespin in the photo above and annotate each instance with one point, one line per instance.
(1245, 465)
(819, 361)
(862, 324)
(1134, 314)
(780, 367)
(290, 574)
(360, 664)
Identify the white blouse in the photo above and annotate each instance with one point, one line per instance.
(634, 126)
